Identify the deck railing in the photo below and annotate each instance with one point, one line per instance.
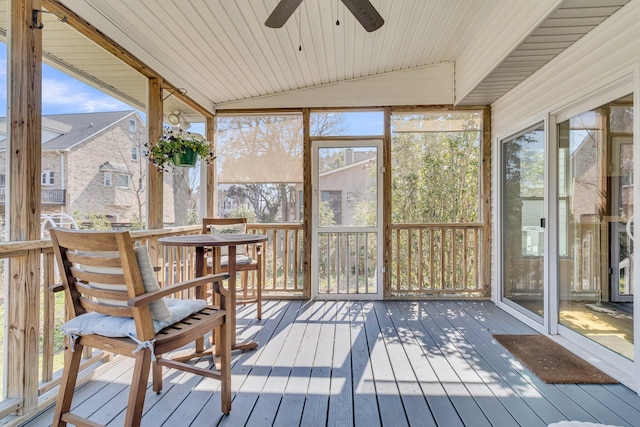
(437, 260)
(48, 196)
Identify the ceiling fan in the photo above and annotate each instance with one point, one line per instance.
(363, 11)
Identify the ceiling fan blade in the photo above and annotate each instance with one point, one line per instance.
(365, 13)
(281, 13)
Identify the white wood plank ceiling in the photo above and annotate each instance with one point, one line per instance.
(224, 56)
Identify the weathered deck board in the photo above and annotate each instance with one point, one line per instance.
(341, 363)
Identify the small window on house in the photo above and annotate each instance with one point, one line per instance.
(123, 181)
(107, 179)
(132, 125)
(48, 178)
(2, 179)
(134, 153)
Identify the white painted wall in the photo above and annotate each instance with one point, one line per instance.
(429, 85)
(596, 69)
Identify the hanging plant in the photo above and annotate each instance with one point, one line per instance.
(180, 149)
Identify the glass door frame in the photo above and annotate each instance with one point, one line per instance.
(347, 142)
(548, 321)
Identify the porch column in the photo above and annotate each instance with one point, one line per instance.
(307, 202)
(155, 201)
(24, 50)
(485, 214)
(211, 178)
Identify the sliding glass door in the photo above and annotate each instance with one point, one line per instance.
(523, 158)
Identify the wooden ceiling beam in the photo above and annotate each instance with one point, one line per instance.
(108, 44)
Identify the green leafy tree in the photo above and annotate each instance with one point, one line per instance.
(435, 175)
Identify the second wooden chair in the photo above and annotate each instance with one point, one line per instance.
(245, 262)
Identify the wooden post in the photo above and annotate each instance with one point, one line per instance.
(485, 180)
(386, 199)
(211, 178)
(155, 200)
(307, 202)
(24, 165)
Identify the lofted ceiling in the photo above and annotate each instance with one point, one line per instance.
(463, 52)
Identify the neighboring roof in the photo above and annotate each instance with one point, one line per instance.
(77, 128)
(83, 126)
(348, 166)
(114, 167)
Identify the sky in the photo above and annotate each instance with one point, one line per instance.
(61, 94)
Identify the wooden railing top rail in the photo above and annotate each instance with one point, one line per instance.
(438, 225)
(276, 226)
(11, 249)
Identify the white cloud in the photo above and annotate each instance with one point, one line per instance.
(73, 96)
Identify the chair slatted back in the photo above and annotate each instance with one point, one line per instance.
(206, 222)
(100, 273)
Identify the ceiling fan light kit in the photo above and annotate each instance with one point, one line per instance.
(362, 10)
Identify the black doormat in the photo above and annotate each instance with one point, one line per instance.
(551, 362)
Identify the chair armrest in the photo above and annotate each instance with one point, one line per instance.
(147, 297)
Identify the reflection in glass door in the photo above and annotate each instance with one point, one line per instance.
(523, 221)
(595, 170)
(622, 219)
(347, 219)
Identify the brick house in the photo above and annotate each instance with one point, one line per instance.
(92, 164)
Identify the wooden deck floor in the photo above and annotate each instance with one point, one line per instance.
(391, 363)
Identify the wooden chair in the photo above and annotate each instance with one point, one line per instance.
(244, 262)
(116, 305)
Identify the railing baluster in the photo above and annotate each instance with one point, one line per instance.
(285, 258)
(398, 258)
(48, 316)
(431, 255)
(454, 237)
(409, 251)
(465, 261)
(420, 259)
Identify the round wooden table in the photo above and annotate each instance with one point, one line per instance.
(202, 241)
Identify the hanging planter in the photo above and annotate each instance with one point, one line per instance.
(187, 158)
(180, 149)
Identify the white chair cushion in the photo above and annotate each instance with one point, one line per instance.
(240, 259)
(116, 327)
(224, 260)
(158, 308)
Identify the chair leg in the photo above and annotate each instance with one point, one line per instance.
(245, 285)
(68, 382)
(138, 387)
(157, 377)
(224, 346)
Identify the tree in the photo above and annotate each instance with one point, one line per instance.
(436, 174)
(122, 145)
